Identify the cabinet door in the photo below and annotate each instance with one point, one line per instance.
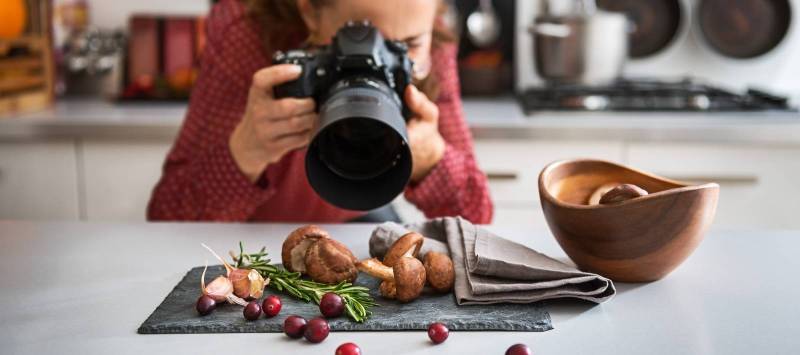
(513, 166)
(120, 176)
(758, 185)
(38, 180)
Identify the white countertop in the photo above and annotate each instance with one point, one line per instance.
(489, 118)
(75, 288)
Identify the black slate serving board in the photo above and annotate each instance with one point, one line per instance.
(176, 314)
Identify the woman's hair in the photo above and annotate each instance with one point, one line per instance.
(282, 27)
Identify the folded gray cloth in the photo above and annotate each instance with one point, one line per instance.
(491, 269)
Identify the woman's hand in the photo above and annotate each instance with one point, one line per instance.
(271, 128)
(427, 145)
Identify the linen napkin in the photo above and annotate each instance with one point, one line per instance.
(491, 269)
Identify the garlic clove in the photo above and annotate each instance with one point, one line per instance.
(241, 285)
(257, 284)
(219, 289)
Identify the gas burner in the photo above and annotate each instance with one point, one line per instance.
(649, 95)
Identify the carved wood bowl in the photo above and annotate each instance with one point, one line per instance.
(637, 240)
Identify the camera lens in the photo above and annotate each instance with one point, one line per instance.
(359, 158)
(360, 148)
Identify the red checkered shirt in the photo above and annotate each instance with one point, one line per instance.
(201, 180)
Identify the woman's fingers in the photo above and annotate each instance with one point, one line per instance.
(294, 141)
(290, 107)
(292, 126)
(419, 104)
(267, 78)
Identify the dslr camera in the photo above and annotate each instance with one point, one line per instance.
(359, 157)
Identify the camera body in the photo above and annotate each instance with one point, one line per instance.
(359, 157)
(358, 51)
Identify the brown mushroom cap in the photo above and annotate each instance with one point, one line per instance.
(439, 271)
(409, 279)
(622, 193)
(330, 262)
(388, 290)
(296, 244)
(407, 245)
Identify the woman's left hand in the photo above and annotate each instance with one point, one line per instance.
(427, 145)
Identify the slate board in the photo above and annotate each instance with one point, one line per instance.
(176, 314)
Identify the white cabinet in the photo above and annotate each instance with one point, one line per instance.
(758, 185)
(119, 177)
(38, 180)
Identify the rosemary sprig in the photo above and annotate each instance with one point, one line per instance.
(357, 301)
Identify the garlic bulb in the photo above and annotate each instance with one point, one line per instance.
(220, 289)
(247, 283)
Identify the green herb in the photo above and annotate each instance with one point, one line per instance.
(357, 301)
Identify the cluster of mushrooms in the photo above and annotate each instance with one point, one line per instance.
(404, 276)
(311, 251)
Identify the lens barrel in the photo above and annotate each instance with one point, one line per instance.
(359, 157)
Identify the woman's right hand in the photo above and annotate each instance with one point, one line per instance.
(271, 127)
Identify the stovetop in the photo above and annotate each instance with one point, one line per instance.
(686, 95)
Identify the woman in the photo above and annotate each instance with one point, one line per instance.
(240, 153)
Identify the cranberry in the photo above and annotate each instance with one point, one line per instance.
(294, 326)
(438, 332)
(205, 305)
(317, 330)
(331, 305)
(519, 349)
(271, 306)
(348, 349)
(252, 311)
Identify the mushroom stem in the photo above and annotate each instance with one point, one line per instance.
(375, 268)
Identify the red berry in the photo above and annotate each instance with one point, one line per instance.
(519, 349)
(438, 332)
(252, 311)
(294, 326)
(271, 306)
(331, 305)
(317, 330)
(205, 305)
(348, 349)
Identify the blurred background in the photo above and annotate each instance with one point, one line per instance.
(93, 92)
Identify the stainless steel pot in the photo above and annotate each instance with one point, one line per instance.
(559, 48)
(587, 46)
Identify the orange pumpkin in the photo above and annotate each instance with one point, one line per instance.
(12, 18)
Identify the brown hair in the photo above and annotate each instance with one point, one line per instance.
(283, 27)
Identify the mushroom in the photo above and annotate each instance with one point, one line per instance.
(622, 193)
(407, 246)
(439, 271)
(296, 244)
(310, 250)
(329, 261)
(404, 281)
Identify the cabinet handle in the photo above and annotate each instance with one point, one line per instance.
(502, 175)
(727, 180)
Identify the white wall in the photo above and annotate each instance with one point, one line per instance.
(114, 13)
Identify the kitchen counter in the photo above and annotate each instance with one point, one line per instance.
(78, 288)
(499, 118)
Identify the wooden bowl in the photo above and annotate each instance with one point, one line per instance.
(638, 240)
